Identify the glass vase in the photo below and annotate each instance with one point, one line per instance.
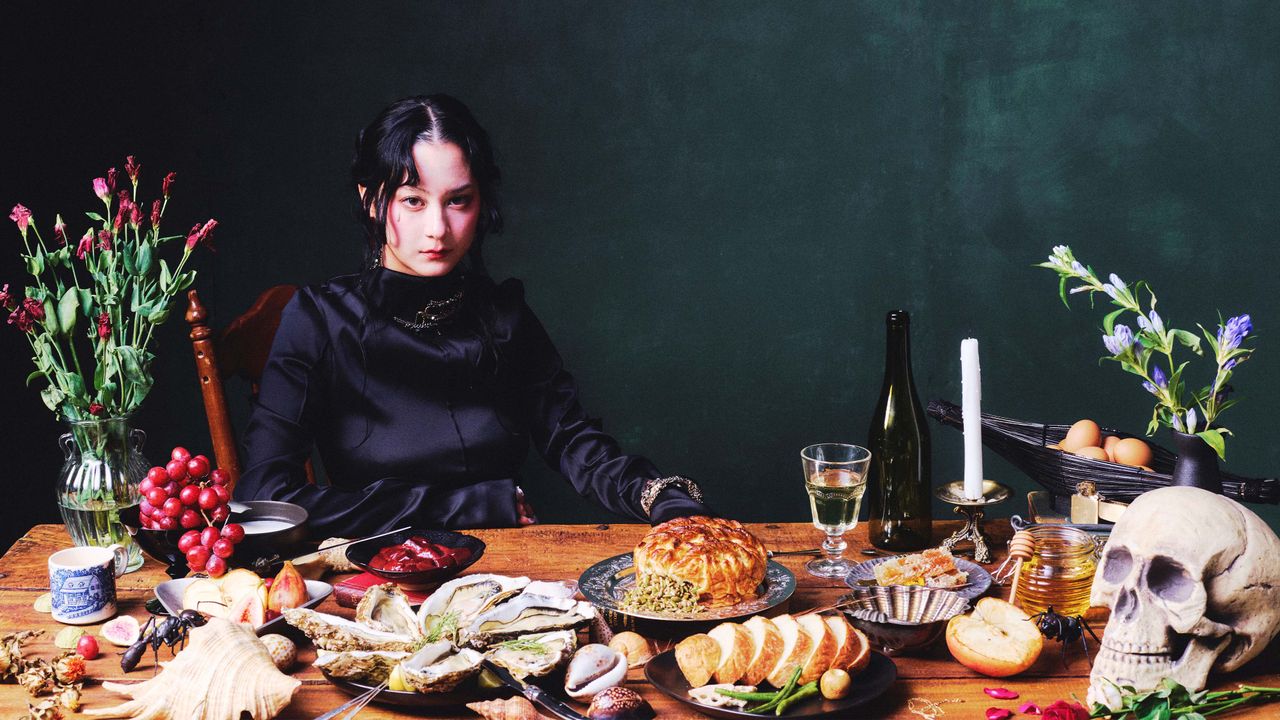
(99, 478)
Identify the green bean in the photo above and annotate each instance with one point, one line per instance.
(807, 690)
(751, 696)
(786, 690)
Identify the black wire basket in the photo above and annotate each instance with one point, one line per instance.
(1024, 444)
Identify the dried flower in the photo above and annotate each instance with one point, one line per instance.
(104, 325)
(201, 234)
(68, 668)
(7, 300)
(111, 180)
(167, 184)
(96, 410)
(59, 230)
(132, 167)
(69, 696)
(135, 216)
(37, 678)
(155, 213)
(33, 307)
(20, 319)
(104, 240)
(86, 244)
(22, 216)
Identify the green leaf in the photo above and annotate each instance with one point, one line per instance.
(1109, 322)
(1062, 291)
(86, 302)
(165, 276)
(128, 260)
(184, 281)
(107, 393)
(145, 257)
(51, 316)
(35, 263)
(52, 397)
(1190, 340)
(34, 375)
(158, 316)
(96, 216)
(1215, 440)
(75, 387)
(68, 310)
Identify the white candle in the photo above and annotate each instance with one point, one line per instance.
(971, 381)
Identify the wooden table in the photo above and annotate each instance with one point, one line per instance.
(548, 552)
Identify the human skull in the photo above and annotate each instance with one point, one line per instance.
(1193, 582)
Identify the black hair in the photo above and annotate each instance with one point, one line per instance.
(384, 161)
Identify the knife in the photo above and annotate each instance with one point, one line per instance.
(534, 693)
(315, 554)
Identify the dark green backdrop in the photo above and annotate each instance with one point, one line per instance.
(712, 204)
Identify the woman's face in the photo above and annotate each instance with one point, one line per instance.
(430, 226)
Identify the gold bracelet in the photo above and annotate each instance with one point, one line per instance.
(654, 487)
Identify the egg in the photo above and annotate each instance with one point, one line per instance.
(1132, 451)
(1084, 433)
(1109, 444)
(1093, 453)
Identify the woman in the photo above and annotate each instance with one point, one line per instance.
(419, 380)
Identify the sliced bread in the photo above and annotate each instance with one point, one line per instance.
(796, 649)
(766, 648)
(698, 657)
(735, 651)
(853, 652)
(823, 648)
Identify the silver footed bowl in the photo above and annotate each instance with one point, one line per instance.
(901, 619)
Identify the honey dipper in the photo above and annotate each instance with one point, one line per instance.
(1021, 547)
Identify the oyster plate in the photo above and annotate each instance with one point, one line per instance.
(605, 583)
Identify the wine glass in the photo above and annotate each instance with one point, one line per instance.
(835, 475)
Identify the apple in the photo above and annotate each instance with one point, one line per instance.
(204, 595)
(996, 639)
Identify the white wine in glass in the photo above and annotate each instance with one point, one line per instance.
(835, 478)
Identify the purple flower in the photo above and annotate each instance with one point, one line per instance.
(1151, 323)
(1077, 268)
(1191, 420)
(1230, 363)
(1158, 377)
(1150, 388)
(1221, 396)
(1120, 341)
(1233, 333)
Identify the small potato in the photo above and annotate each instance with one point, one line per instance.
(835, 684)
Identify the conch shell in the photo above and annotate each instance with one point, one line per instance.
(224, 671)
(513, 708)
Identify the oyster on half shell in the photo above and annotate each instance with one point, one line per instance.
(385, 607)
(338, 634)
(457, 602)
(360, 665)
(534, 655)
(524, 615)
(440, 667)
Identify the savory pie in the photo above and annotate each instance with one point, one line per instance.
(718, 559)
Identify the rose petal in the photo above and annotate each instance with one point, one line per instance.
(995, 713)
(1029, 708)
(1000, 693)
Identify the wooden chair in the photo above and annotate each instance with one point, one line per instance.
(239, 350)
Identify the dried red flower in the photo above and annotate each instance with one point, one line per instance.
(7, 300)
(155, 213)
(86, 244)
(60, 231)
(104, 240)
(111, 180)
(135, 215)
(33, 307)
(201, 235)
(132, 167)
(22, 216)
(104, 326)
(20, 319)
(167, 183)
(96, 410)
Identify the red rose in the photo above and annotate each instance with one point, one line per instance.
(1063, 710)
(96, 409)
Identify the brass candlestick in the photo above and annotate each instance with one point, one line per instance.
(953, 494)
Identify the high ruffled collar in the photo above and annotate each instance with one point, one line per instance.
(401, 294)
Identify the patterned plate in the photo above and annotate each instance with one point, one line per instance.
(607, 581)
(979, 578)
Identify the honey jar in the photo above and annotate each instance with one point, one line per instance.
(1060, 572)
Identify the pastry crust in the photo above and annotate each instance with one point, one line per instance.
(723, 562)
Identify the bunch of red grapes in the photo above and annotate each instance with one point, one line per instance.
(187, 494)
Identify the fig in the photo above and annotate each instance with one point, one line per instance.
(122, 631)
(288, 589)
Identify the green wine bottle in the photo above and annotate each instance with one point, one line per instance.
(901, 509)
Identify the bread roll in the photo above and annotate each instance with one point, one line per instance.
(723, 562)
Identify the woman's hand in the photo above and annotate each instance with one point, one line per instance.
(524, 510)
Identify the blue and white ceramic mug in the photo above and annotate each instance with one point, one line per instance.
(82, 581)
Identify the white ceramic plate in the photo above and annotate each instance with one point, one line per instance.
(170, 595)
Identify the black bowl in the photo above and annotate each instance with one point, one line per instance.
(362, 553)
(286, 541)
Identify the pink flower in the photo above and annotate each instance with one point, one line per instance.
(86, 244)
(101, 189)
(7, 300)
(22, 216)
(168, 183)
(111, 179)
(155, 213)
(1029, 708)
(33, 307)
(995, 713)
(104, 326)
(1063, 710)
(96, 410)
(132, 167)
(60, 230)
(104, 240)
(201, 235)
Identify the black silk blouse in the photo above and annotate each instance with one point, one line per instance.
(428, 428)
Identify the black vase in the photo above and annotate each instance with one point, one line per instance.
(1197, 464)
